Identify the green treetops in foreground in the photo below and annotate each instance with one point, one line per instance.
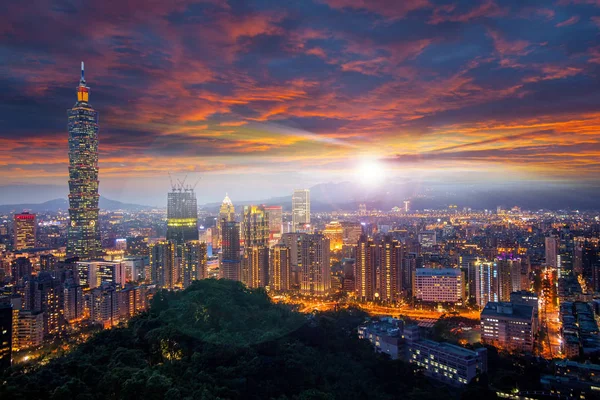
(220, 340)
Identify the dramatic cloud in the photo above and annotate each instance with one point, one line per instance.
(260, 99)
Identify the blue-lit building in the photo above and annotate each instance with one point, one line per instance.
(83, 233)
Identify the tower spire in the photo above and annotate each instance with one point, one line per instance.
(83, 92)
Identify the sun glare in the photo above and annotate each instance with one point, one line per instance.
(370, 172)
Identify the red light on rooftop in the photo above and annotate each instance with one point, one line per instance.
(24, 216)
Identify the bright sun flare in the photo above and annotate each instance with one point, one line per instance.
(370, 172)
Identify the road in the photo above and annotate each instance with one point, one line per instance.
(310, 306)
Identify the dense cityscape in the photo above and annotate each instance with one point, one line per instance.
(460, 258)
(523, 282)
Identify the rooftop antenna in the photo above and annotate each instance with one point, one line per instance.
(82, 73)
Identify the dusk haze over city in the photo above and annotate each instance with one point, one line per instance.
(303, 200)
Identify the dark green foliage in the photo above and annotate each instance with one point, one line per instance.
(220, 340)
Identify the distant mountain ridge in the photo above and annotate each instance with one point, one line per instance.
(346, 196)
(62, 204)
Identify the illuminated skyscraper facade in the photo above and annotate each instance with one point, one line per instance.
(390, 254)
(193, 262)
(226, 213)
(24, 231)
(316, 270)
(255, 262)
(227, 210)
(365, 268)
(83, 233)
(230, 250)
(279, 279)
(275, 215)
(300, 208)
(182, 216)
(162, 264)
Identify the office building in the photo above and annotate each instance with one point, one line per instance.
(255, 261)
(315, 260)
(227, 214)
(443, 285)
(280, 271)
(25, 231)
(83, 237)
(508, 326)
(451, 364)
(193, 262)
(182, 216)
(530, 299)
(162, 264)
(230, 250)
(448, 363)
(275, 217)
(300, 208)
(94, 273)
(335, 233)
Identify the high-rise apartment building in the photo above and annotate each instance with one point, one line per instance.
(316, 270)
(162, 264)
(83, 238)
(193, 262)
(300, 208)
(255, 262)
(365, 269)
(230, 250)
(279, 276)
(6, 333)
(486, 278)
(45, 294)
(73, 302)
(30, 331)
(21, 268)
(389, 284)
(25, 229)
(551, 250)
(505, 269)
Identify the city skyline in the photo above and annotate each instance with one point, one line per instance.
(261, 100)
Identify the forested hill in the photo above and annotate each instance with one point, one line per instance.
(219, 340)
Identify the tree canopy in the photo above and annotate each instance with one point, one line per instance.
(220, 340)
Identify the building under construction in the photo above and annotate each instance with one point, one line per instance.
(182, 214)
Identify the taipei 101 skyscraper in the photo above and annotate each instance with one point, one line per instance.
(83, 234)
